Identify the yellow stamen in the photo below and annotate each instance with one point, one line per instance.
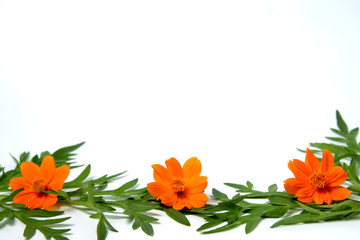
(318, 180)
(178, 184)
(38, 184)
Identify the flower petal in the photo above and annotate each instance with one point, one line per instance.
(180, 204)
(169, 198)
(300, 170)
(312, 161)
(30, 171)
(19, 182)
(292, 185)
(306, 195)
(336, 176)
(327, 161)
(157, 189)
(174, 168)
(192, 168)
(160, 173)
(305, 192)
(321, 196)
(47, 169)
(196, 185)
(339, 193)
(36, 202)
(50, 200)
(197, 200)
(306, 199)
(60, 175)
(24, 196)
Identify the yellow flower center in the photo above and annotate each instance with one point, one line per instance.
(318, 180)
(178, 184)
(38, 184)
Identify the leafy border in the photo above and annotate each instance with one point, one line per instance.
(93, 197)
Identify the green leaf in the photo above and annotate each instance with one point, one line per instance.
(101, 229)
(304, 216)
(276, 212)
(29, 232)
(219, 195)
(273, 188)
(282, 201)
(177, 216)
(224, 228)
(341, 123)
(90, 197)
(338, 132)
(24, 157)
(83, 175)
(355, 187)
(65, 154)
(252, 224)
(353, 133)
(39, 213)
(212, 223)
(239, 187)
(142, 221)
(147, 228)
(6, 213)
(249, 185)
(109, 226)
(141, 206)
(335, 139)
(128, 185)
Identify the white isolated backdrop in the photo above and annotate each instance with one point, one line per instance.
(239, 84)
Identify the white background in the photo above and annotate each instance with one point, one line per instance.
(239, 84)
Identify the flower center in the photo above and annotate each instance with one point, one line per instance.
(38, 184)
(318, 180)
(178, 184)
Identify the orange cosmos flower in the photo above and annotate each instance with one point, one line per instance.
(35, 178)
(315, 181)
(178, 186)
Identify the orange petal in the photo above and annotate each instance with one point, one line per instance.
(169, 198)
(19, 182)
(192, 168)
(339, 193)
(300, 169)
(160, 173)
(24, 196)
(336, 177)
(321, 196)
(157, 189)
(49, 201)
(306, 195)
(328, 198)
(174, 168)
(197, 200)
(305, 192)
(180, 204)
(36, 202)
(312, 161)
(305, 199)
(196, 185)
(60, 175)
(327, 161)
(30, 171)
(292, 185)
(187, 202)
(47, 169)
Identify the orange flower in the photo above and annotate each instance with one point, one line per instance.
(35, 178)
(178, 186)
(315, 181)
